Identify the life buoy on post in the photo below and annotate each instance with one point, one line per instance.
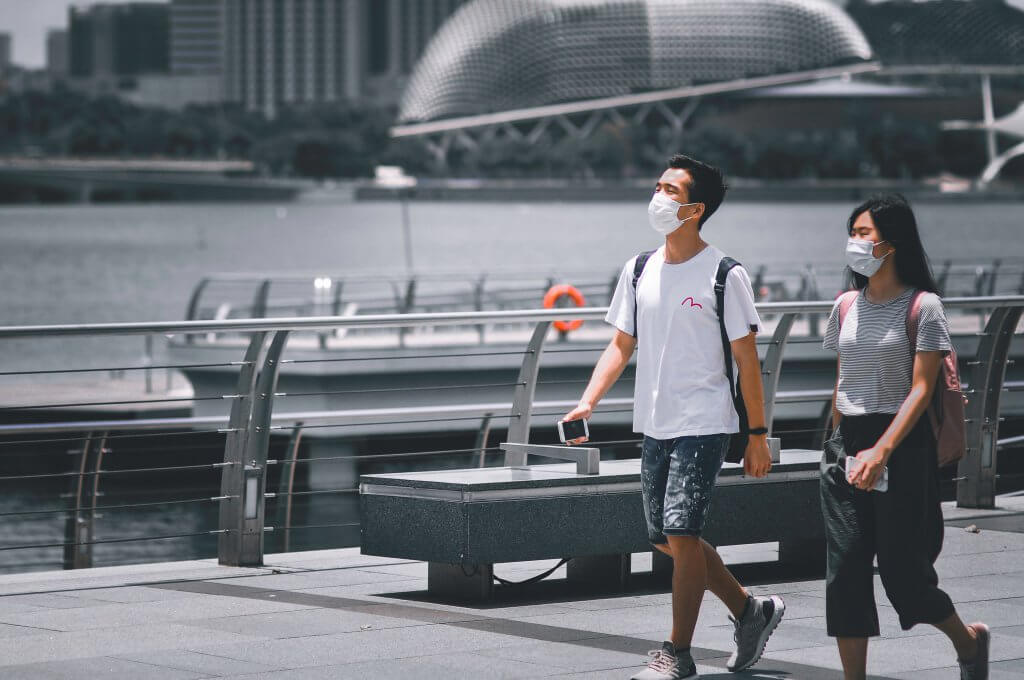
(559, 291)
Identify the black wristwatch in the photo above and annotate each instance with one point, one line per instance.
(758, 430)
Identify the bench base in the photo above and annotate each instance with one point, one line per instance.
(460, 582)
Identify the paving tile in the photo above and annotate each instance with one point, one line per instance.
(111, 615)
(975, 588)
(314, 579)
(327, 650)
(968, 564)
(129, 594)
(43, 601)
(894, 655)
(127, 640)
(957, 541)
(108, 668)
(204, 664)
(8, 630)
(303, 623)
(563, 655)
(448, 666)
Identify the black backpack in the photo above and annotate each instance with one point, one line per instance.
(738, 442)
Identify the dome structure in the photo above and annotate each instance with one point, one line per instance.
(943, 31)
(497, 55)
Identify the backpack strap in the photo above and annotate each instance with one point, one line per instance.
(846, 301)
(934, 411)
(638, 269)
(724, 267)
(913, 321)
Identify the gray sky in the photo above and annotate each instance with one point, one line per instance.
(28, 21)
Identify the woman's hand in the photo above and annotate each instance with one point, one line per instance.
(583, 410)
(871, 464)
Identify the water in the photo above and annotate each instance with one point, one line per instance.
(111, 263)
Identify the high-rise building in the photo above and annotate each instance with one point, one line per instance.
(112, 41)
(57, 53)
(292, 52)
(197, 37)
(5, 51)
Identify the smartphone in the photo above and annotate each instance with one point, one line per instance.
(852, 463)
(573, 429)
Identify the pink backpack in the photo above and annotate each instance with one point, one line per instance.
(946, 412)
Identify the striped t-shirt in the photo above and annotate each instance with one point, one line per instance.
(875, 364)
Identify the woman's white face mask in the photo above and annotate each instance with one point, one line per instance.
(662, 211)
(860, 255)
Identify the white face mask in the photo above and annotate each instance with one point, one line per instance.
(661, 214)
(861, 258)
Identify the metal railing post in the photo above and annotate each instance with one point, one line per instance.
(287, 484)
(250, 522)
(772, 366)
(232, 481)
(74, 524)
(259, 301)
(977, 471)
(522, 398)
(193, 302)
(481, 438)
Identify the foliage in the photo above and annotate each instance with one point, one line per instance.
(349, 141)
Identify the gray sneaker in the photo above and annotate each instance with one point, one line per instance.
(665, 664)
(977, 668)
(753, 630)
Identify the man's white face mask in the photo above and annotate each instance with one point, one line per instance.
(662, 211)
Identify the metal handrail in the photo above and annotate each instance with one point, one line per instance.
(421, 319)
(243, 493)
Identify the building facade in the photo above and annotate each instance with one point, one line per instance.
(6, 45)
(293, 52)
(57, 53)
(197, 37)
(108, 42)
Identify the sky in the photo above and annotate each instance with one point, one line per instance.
(28, 21)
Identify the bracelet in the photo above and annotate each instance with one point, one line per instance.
(758, 430)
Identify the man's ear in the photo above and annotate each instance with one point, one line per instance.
(698, 212)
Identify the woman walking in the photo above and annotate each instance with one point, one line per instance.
(883, 389)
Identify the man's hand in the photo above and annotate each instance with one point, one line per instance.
(583, 410)
(872, 463)
(757, 460)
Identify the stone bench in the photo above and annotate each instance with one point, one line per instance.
(462, 522)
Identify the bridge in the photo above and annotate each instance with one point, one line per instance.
(86, 180)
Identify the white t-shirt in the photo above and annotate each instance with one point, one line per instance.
(681, 387)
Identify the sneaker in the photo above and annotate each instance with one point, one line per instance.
(977, 668)
(753, 630)
(667, 664)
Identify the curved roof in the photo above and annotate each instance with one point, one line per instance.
(496, 55)
(943, 32)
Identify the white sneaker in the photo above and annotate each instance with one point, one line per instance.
(667, 664)
(753, 630)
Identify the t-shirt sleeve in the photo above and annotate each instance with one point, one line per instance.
(832, 329)
(932, 326)
(621, 312)
(740, 314)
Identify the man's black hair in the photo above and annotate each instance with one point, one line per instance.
(707, 184)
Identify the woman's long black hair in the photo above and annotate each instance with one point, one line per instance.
(895, 221)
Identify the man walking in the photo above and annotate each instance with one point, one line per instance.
(665, 305)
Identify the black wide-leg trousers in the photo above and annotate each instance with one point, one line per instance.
(903, 527)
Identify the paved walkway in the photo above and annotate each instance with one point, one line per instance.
(337, 614)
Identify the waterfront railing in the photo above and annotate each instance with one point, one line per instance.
(252, 419)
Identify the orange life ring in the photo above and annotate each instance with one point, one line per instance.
(561, 290)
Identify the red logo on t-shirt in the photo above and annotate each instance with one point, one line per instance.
(692, 303)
